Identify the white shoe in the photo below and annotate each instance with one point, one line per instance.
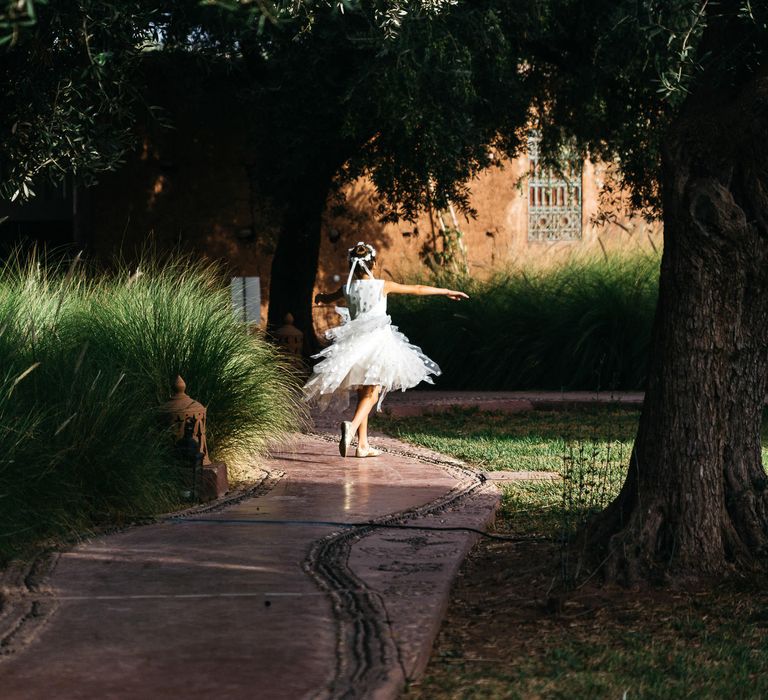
(367, 452)
(346, 437)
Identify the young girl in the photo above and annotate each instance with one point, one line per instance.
(368, 354)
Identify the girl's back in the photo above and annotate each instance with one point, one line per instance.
(366, 296)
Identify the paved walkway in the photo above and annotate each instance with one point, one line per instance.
(271, 597)
(411, 403)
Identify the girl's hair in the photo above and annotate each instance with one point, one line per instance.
(362, 252)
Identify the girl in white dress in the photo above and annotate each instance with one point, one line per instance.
(368, 354)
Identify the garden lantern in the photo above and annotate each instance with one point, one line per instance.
(188, 420)
(289, 337)
(187, 451)
(183, 410)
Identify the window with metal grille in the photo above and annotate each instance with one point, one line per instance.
(554, 198)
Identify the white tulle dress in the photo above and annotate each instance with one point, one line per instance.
(367, 350)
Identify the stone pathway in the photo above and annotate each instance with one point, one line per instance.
(275, 596)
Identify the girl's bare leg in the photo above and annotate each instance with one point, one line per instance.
(367, 396)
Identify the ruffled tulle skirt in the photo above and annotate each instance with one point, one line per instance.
(366, 351)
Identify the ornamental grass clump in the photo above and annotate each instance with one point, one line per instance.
(177, 319)
(85, 363)
(584, 324)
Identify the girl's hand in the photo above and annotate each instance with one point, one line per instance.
(328, 297)
(456, 296)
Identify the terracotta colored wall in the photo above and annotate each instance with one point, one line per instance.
(188, 189)
(497, 237)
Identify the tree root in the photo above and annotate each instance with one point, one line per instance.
(649, 547)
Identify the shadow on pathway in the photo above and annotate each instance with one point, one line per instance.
(272, 597)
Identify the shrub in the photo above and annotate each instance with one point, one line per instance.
(583, 325)
(87, 361)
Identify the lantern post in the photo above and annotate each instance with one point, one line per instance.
(188, 423)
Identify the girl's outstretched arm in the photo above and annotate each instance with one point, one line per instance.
(422, 290)
(328, 297)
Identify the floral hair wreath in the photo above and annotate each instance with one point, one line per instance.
(363, 252)
(360, 254)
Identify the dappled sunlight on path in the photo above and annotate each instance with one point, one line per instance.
(277, 592)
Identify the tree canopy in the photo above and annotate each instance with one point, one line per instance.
(419, 111)
(419, 95)
(72, 87)
(613, 75)
(69, 97)
(419, 91)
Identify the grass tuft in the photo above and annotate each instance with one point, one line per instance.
(86, 363)
(584, 325)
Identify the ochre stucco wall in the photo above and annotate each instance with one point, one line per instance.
(188, 189)
(497, 237)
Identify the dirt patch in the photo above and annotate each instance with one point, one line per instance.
(507, 635)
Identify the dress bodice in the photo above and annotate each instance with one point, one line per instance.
(366, 296)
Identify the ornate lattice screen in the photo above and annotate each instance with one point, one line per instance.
(554, 198)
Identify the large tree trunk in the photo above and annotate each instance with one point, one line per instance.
(294, 265)
(695, 502)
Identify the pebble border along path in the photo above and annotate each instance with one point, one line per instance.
(331, 584)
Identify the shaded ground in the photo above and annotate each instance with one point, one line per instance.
(508, 635)
(503, 637)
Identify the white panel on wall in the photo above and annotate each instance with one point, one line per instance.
(246, 298)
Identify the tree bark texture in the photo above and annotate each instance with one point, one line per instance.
(294, 265)
(695, 502)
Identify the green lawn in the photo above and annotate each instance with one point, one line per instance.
(589, 447)
(709, 651)
(501, 641)
(531, 440)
